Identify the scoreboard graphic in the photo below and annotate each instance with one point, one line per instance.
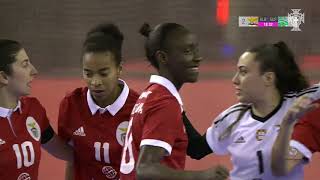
(293, 20)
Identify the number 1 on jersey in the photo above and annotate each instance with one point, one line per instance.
(105, 147)
(260, 159)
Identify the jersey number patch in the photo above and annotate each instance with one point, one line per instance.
(98, 146)
(260, 159)
(24, 153)
(127, 167)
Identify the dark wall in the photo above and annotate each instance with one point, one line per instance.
(52, 31)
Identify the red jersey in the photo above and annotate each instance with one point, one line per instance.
(156, 120)
(97, 134)
(306, 134)
(20, 139)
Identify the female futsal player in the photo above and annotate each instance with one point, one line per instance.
(267, 82)
(156, 142)
(24, 123)
(94, 119)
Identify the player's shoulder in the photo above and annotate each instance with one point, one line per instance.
(155, 96)
(313, 91)
(31, 105)
(132, 96)
(77, 95)
(157, 91)
(231, 113)
(158, 94)
(312, 118)
(29, 101)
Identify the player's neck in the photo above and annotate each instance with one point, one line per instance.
(7, 99)
(267, 104)
(171, 78)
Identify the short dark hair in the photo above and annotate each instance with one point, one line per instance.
(157, 39)
(8, 51)
(279, 59)
(102, 38)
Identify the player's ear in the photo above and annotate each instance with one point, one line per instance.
(161, 57)
(119, 69)
(3, 78)
(269, 78)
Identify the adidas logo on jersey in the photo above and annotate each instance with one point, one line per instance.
(2, 142)
(240, 140)
(79, 132)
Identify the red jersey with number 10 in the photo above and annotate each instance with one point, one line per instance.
(20, 139)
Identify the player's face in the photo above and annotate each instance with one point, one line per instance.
(101, 74)
(183, 58)
(248, 80)
(23, 72)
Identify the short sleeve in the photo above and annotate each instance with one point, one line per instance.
(212, 136)
(44, 124)
(220, 124)
(46, 130)
(162, 124)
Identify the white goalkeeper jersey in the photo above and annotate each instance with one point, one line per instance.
(251, 139)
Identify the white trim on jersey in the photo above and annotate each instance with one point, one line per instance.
(313, 91)
(157, 143)
(301, 148)
(115, 106)
(212, 143)
(168, 85)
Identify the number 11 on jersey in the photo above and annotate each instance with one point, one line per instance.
(105, 148)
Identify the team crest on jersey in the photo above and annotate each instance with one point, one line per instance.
(260, 134)
(33, 128)
(109, 172)
(121, 132)
(24, 176)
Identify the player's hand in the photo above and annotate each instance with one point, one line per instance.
(217, 173)
(299, 107)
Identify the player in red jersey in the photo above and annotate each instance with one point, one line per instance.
(298, 140)
(94, 119)
(24, 124)
(156, 140)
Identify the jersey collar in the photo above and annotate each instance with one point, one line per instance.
(112, 108)
(168, 85)
(5, 113)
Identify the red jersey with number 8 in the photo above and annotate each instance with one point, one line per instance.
(156, 120)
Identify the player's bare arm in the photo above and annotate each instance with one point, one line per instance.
(284, 157)
(58, 148)
(69, 171)
(149, 166)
